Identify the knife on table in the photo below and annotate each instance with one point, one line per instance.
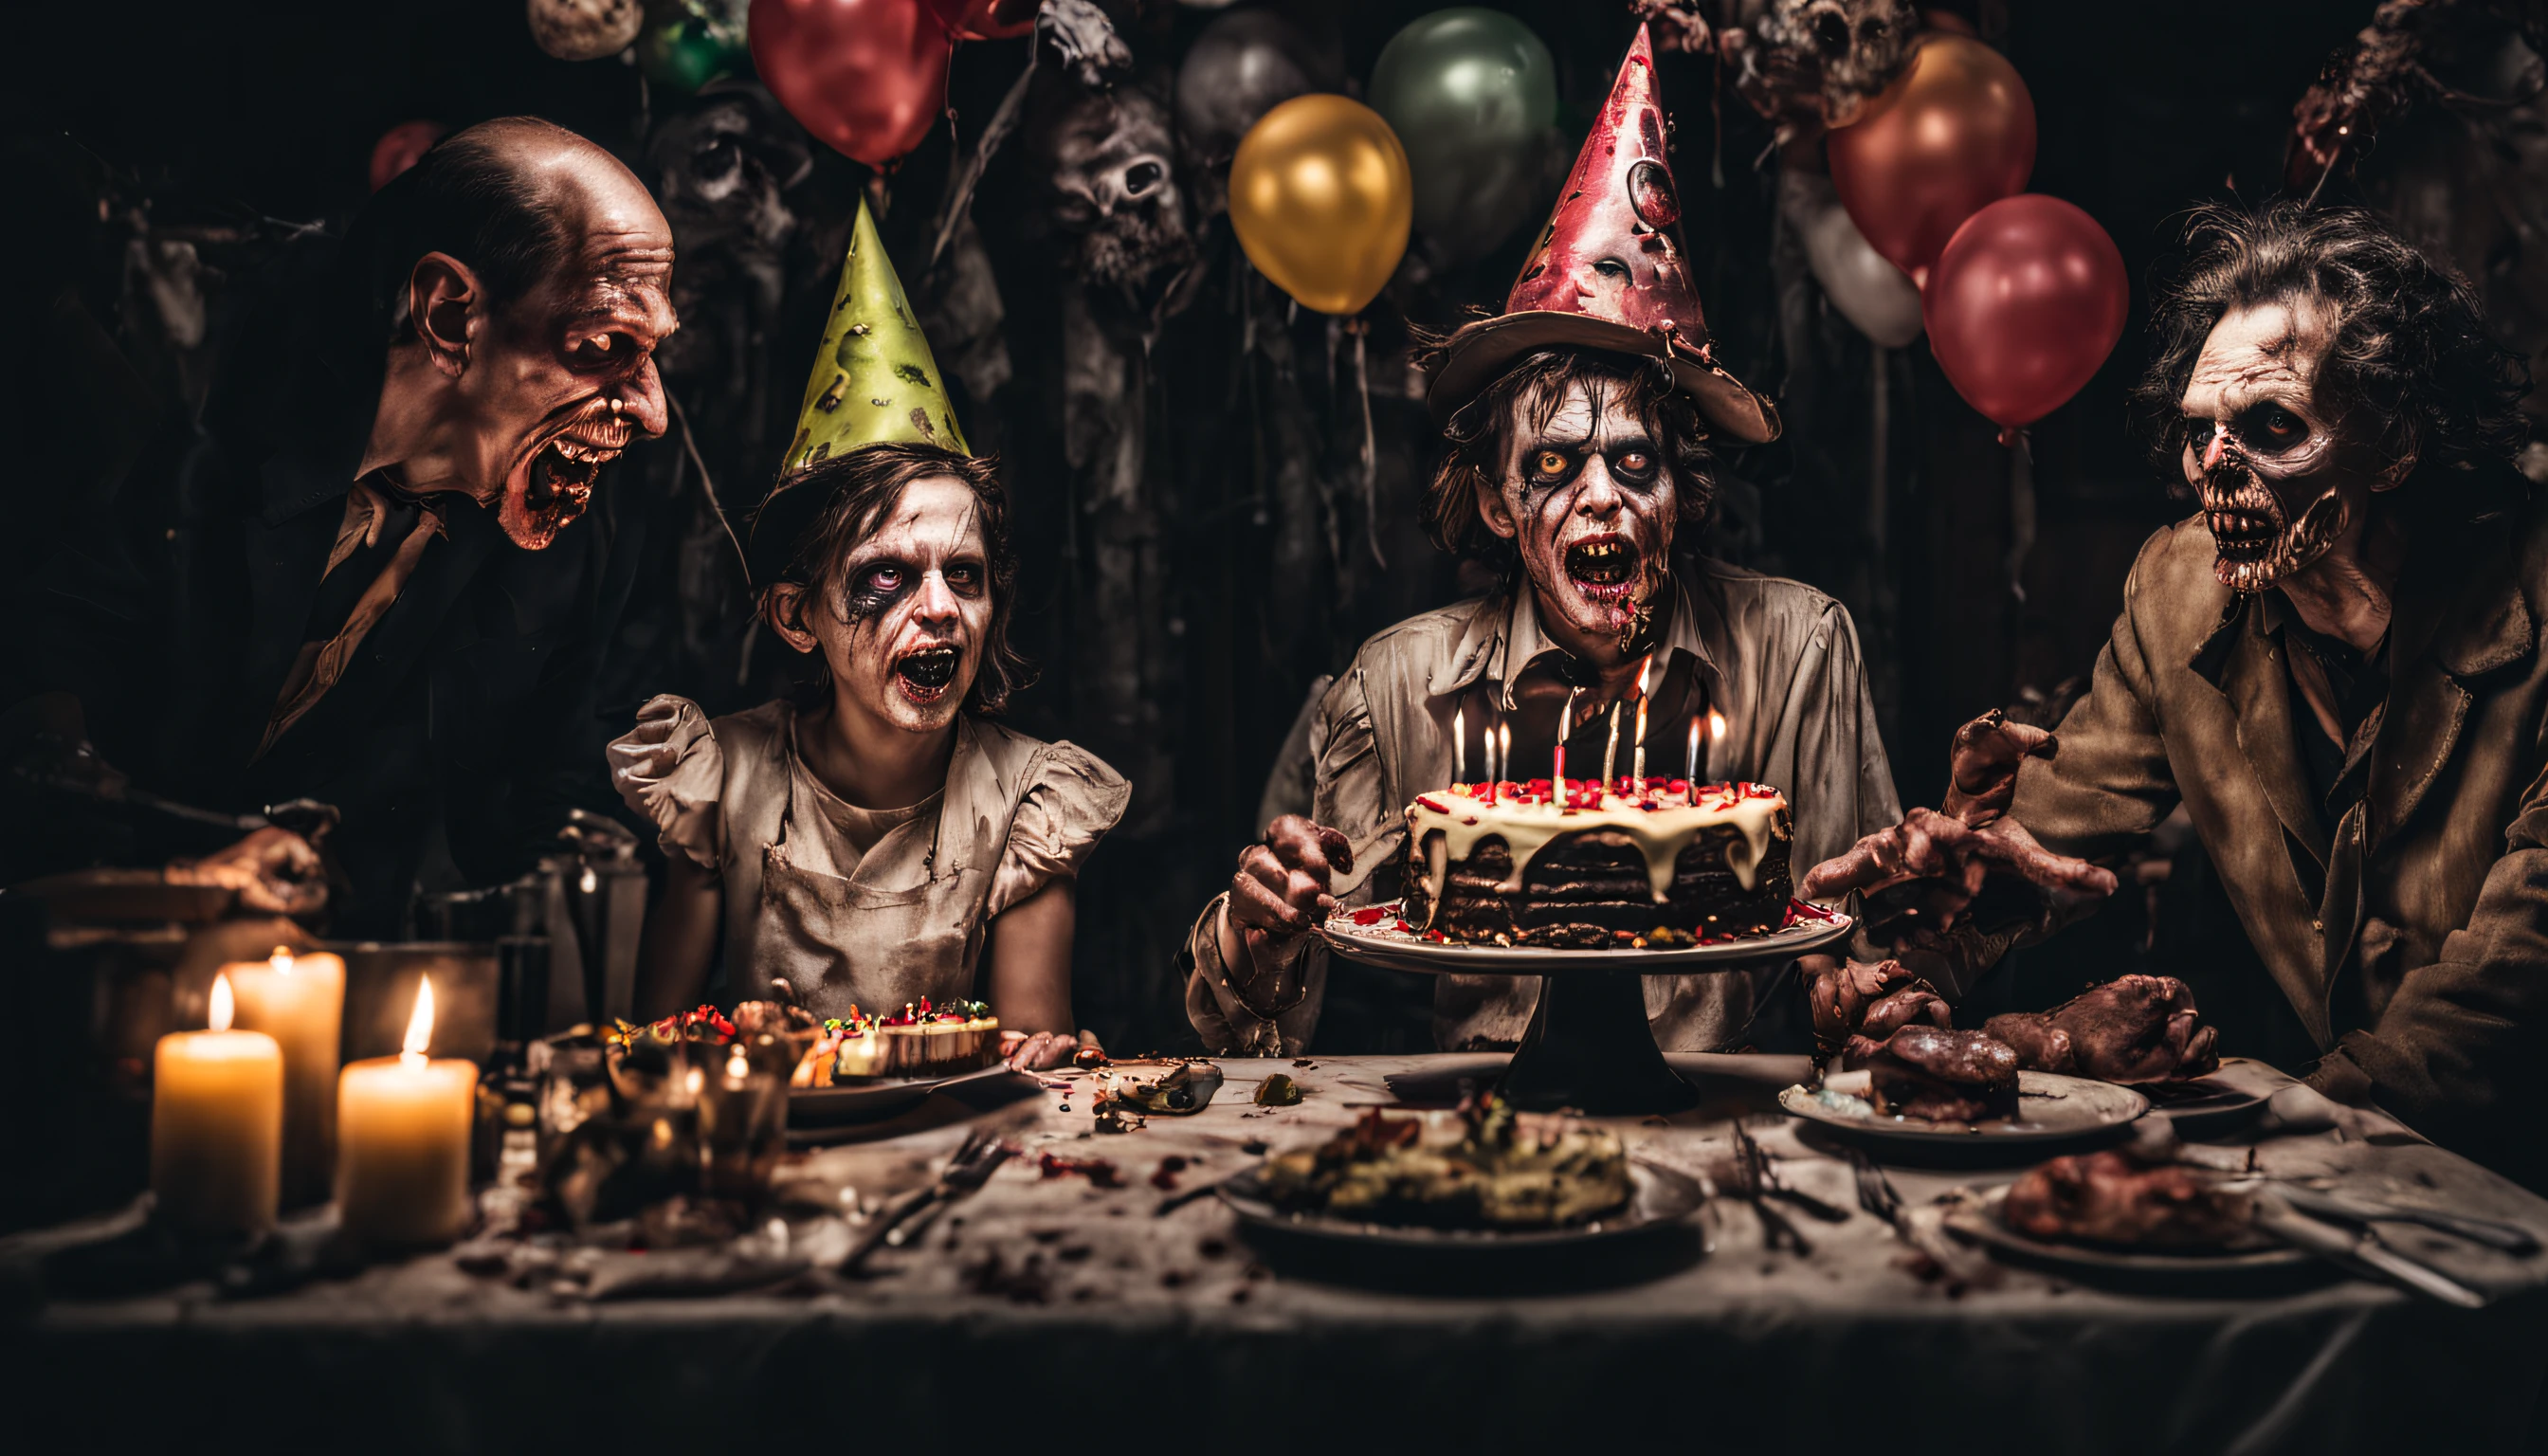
(2362, 1252)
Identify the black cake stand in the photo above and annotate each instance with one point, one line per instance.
(1589, 1046)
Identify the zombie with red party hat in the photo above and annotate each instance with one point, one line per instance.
(1581, 424)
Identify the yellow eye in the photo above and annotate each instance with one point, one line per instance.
(1550, 462)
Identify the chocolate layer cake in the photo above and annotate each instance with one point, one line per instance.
(1654, 862)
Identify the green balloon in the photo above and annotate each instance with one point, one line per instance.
(687, 43)
(1471, 95)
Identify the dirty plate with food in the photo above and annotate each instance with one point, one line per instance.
(2225, 1269)
(2052, 1109)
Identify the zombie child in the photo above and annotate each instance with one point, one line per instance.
(2334, 667)
(878, 840)
(1577, 422)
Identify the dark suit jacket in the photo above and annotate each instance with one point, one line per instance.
(2410, 938)
(177, 609)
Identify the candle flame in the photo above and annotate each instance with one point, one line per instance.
(281, 960)
(1459, 744)
(419, 1026)
(223, 1007)
(738, 1069)
(1715, 726)
(589, 883)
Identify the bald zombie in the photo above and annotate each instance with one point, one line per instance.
(385, 573)
(530, 288)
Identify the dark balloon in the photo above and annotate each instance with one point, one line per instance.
(1473, 95)
(867, 76)
(2024, 305)
(1239, 67)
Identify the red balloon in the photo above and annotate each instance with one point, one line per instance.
(1953, 134)
(401, 147)
(867, 76)
(986, 20)
(2025, 304)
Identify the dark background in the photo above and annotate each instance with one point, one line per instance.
(1179, 617)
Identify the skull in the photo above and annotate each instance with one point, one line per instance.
(1823, 59)
(721, 167)
(1108, 159)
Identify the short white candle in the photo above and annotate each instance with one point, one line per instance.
(403, 1127)
(217, 1125)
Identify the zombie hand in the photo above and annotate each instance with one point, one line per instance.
(1922, 874)
(1853, 998)
(1282, 890)
(2132, 1029)
(1045, 1050)
(274, 871)
(1083, 39)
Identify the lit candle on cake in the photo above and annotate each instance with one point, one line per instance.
(1504, 758)
(1610, 753)
(1691, 772)
(402, 1140)
(1564, 725)
(1459, 745)
(217, 1124)
(1639, 757)
(298, 1001)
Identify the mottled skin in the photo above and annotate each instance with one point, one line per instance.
(2132, 1029)
(516, 402)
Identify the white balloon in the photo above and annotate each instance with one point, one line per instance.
(584, 29)
(1877, 299)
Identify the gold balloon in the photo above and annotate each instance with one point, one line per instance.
(1322, 198)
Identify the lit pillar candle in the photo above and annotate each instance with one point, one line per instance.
(403, 1128)
(217, 1124)
(298, 1001)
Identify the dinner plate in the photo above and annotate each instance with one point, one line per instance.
(1381, 942)
(1658, 1198)
(1978, 1220)
(2051, 1108)
(2206, 1107)
(857, 1102)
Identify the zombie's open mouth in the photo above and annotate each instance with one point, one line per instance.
(1603, 567)
(926, 673)
(562, 474)
(2243, 535)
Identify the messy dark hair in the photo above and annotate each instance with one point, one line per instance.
(2411, 369)
(472, 198)
(856, 492)
(1480, 437)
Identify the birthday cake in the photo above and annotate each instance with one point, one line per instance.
(1632, 864)
(924, 1040)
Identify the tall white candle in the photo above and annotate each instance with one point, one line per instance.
(1610, 752)
(1693, 772)
(298, 1001)
(1459, 745)
(217, 1124)
(403, 1128)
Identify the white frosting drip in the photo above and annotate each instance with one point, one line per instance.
(1659, 824)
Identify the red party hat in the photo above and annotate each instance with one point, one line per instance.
(1609, 272)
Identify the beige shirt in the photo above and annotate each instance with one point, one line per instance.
(809, 896)
(1776, 658)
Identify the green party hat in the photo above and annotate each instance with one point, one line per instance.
(873, 379)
